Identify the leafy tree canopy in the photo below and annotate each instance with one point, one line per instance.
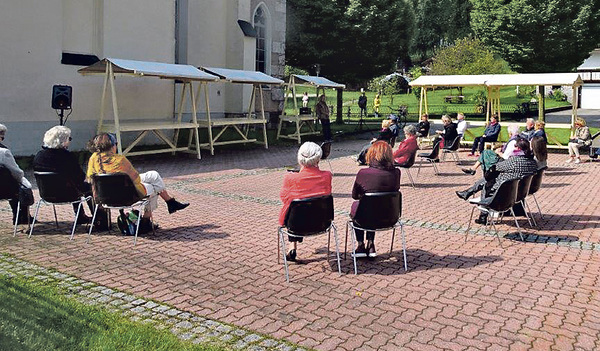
(536, 35)
(467, 56)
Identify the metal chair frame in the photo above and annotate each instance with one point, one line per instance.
(453, 150)
(350, 223)
(431, 157)
(407, 166)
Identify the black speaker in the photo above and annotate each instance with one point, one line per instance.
(62, 97)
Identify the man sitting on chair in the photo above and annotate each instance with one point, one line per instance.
(517, 166)
(309, 182)
(7, 161)
(491, 133)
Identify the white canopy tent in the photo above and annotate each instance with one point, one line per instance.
(111, 67)
(320, 83)
(256, 79)
(493, 83)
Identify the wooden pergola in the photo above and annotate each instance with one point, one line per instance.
(111, 67)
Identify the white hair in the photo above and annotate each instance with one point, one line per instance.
(410, 129)
(530, 120)
(56, 136)
(309, 154)
(2, 128)
(513, 129)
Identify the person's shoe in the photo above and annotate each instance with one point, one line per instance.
(361, 251)
(174, 205)
(468, 171)
(291, 256)
(371, 250)
(482, 218)
(569, 160)
(146, 226)
(436, 160)
(577, 160)
(465, 195)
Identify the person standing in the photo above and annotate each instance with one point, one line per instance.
(305, 99)
(322, 111)
(362, 104)
(377, 104)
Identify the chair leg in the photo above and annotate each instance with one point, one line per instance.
(517, 223)
(435, 169)
(404, 247)
(419, 169)
(285, 264)
(526, 214)
(354, 251)
(37, 210)
(278, 244)
(137, 227)
(538, 206)
(328, 242)
(392, 245)
(493, 225)
(17, 218)
(346, 241)
(75, 221)
(92, 225)
(530, 213)
(337, 249)
(55, 216)
(469, 225)
(410, 177)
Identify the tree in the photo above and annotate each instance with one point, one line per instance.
(467, 56)
(538, 36)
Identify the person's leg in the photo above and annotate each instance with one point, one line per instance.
(481, 145)
(155, 182)
(291, 255)
(576, 152)
(476, 187)
(475, 144)
(361, 250)
(371, 244)
(325, 123)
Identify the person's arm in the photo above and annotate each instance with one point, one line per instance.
(503, 165)
(8, 161)
(357, 190)
(510, 148)
(585, 133)
(401, 149)
(495, 130)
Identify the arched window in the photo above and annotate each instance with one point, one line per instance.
(263, 45)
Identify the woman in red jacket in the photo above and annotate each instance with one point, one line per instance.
(408, 147)
(309, 182)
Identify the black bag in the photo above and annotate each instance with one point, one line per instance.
(25, 196)
(125, 224)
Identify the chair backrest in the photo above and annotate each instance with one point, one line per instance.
(114, 189)
(378, 210)
(309, 216)
(55, 188)
(8, 184)
(505, 196)
(524, 185)
(436, 150)
(411, 160)
(455, 144)
(536, 182)
(326, 149)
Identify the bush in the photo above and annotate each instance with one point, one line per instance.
(289, 70)
(526, 91)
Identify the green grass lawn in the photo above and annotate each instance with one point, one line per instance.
(36, 317)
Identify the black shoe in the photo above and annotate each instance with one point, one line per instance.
(436, 160)
(291, 256)
(482, 219)
(146, 226)
(464, 194)
(174, 205)
(371, 250)
(361, 251)
(468, 171)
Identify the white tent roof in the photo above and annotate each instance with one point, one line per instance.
(147, 68)
(241, 76)
(592, 63)
(572, 79)
(319, 81)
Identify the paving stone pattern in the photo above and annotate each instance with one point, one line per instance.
(218, 260)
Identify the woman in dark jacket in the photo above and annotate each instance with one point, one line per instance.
(55, 157)
(380, 176)
(423, 126)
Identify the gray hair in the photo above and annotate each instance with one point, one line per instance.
(530, 120)
(56, 136)
(2, 128)
(410, 129)
(513, 129)
(309, 154)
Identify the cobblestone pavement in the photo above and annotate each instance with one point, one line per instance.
(217, 259)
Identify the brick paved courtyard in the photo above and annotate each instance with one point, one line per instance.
(218, 259)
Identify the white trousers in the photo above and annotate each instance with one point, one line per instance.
(574, 149)
(154, 184)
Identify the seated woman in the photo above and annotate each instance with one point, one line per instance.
(539, 130)
(520, 164)
(309, 182)
(581, 138)
(488, 157)
(380, 176)
(408, 147)
(423, 126)
(385, 134)
(448, 134)
(7, 161)
(540, 151)
(55, 157)
(106, 160)
(491, 133)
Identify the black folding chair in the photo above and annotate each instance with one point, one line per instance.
(503, 200)
(536, 184)
(116, 191)
(308, 217)
(409, 163)
(377, 212)
(452, 149)
(9, 189)
(431, 157)
(56, 190)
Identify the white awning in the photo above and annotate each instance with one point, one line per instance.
(570, 79)
(241, 76)
(592, 63)
(148, 68)
(319, 81)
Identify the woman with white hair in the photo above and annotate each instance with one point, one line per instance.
(408, 147)
(309, 182)
(56, 157)
(7, 161)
